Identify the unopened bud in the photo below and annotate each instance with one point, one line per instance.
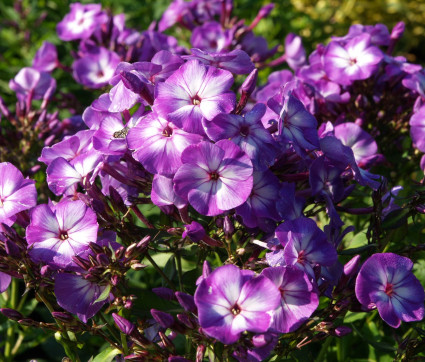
(97, 249)
(123, 324)
(186, 301)
(250, 82)
(63, 316)
(164, 319)
(341, 331)
(398, 30)
(200, 352)
(28, 322)
(102, 259)
(119, 253)
(11, 314)
(183, 318)
(12, 249)
(138, 266)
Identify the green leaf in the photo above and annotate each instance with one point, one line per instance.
(107, 355)
(351, 317)
(104, 295)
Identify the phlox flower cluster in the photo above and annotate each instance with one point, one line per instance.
(256, 179)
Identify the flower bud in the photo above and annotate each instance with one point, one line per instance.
(28, 322)
(11, 314)
(186, 301)
(119, 253)
(123, 324)
(341, 331)
(183, 318)
(250, 82)
(102, 259)
(398, 30)
(63, 316)
(228, 227)
(12, 249)
(194, 231)
(164, 319)
(200, 352)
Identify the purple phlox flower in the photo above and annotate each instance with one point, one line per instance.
(388, 200)
(163, 194)
(330, 92)
(121, 97)
(57, 233)
(5, 280)
(273, 85)
(326, 183)
(325, 177)
(299, 298)
(16, 192)
(168, 62)
(248, 133)
(78, 295)
(262, 346)
(125, 191)
(386, 281)
(96, 67)
(295, 54)
(398, 66)
(257, 47)
(30, 83)
(362, 143)
(132, 82)
(205, 10)
(211, 37)
(236, 61)
(63, 176)
(194, 231)
(261, 203)
(193, 94)
(417, 128)
(153, 42)
(81, 22)
(99, 109)
(110, 137)
(288, 205)
(214, 177)
(231, 301)
(70, 148)
(305, 245)
(46, 58)
(416, 83)
(357, 60)
(343, 157)
(158, 144)
(296, 124)
(379, 34)
(177, 11)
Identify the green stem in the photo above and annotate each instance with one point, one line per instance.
(10, 333)
(324, 350)
(159, 270)
(66, 343)
(179, 269)
(124, 343)
(110, 329)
